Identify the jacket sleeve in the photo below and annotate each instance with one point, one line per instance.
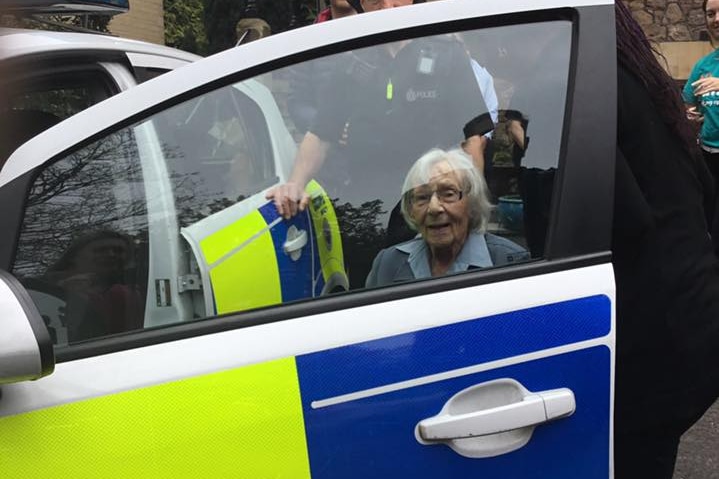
(503, 251)
(373, 279)
(301, 98)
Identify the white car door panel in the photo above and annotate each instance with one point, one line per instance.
(359, 390)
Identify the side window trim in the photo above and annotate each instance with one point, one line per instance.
(583, 201)
(250, 319)
(145, 60)
(164, 266)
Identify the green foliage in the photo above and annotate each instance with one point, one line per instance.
(362, 237)
(278, 13)
(361, 224)
(208, 26)
(184, 25)
(220, 18)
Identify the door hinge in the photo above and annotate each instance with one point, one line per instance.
(189, 282)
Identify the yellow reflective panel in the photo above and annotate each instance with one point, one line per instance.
(217, 246)
(243, 423)
(327, 231)
(248, 279)
(243, 266)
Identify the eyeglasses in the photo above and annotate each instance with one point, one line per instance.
(421, 198)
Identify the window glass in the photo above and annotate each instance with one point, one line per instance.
(62, 102)
(180, 200)
(218, 152)
(105, 246)
(379, 109)
(84, 242)
(142, 74)
(62, 95)
(34, 105)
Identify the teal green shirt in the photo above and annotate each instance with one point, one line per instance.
(709, 102)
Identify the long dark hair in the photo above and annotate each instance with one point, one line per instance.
(637, 55)
(706, 22)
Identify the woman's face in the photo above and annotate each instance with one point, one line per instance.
(440, 210)
(712, 18)
(103, 256)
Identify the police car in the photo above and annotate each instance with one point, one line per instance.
(159, 319)
(49, 75)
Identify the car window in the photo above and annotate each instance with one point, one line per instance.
(83, 248)
(33, 105)
(167, 220)
(218, 152)
(380, 118)
(142, 74)
(62, 95)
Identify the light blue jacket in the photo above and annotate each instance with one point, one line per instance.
(410, 260)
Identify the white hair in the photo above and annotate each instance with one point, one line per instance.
(474, 187)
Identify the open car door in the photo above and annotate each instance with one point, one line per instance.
(497, 371)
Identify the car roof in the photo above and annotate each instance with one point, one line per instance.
(68, 7)
(16, 42)
(135, 101)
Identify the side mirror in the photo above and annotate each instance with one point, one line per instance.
(26, 350)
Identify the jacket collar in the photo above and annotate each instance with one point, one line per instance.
(474, 254)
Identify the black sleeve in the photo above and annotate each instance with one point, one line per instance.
(667, 273)
(336, 104)
(667, 276)
(301, 99)
(372, 280)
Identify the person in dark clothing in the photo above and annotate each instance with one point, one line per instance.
(667, 276)
(388, 105)
(387, 113)
(309, 80)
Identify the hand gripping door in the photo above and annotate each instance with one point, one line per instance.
(250, 257)
(493, 418)
(250, 249)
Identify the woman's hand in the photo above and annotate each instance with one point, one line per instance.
(693, 114)
(705, 85)
(289, 198)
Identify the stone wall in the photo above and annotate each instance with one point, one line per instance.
(144, 21)
(669, 20)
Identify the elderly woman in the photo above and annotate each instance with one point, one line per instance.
(444, 198)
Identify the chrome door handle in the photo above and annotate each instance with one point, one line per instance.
(296, 240)
(500, 415)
